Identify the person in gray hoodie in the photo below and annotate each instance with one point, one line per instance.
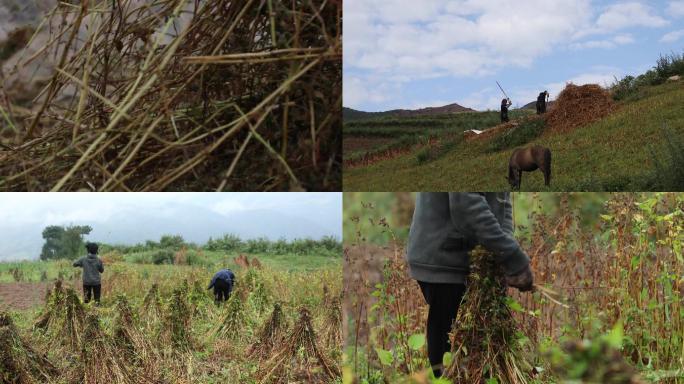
(92, 268)
(445, 227)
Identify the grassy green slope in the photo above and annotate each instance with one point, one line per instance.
(610, 154)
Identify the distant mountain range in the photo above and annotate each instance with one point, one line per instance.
(194, 223)
(349, 114)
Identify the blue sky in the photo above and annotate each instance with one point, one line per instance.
(414, 54)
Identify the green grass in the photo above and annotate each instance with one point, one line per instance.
(611, 154)
(292, 280)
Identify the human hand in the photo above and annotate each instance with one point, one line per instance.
(522, 280)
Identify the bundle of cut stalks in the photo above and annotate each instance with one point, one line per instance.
(101, 362)
(134, 344)
(62, 318)
(20, 363)
(271, 334)
(54, 299)
(332, 326)
(183, 95)
(177, 321)
(298, 355)
(233, 322)
(484, 341)
(151, 307)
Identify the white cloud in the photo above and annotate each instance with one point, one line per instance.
(673, 36)
(391, 42)
(629, 14)
(675, 8)
(613, 42)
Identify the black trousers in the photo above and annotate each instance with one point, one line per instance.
(91, 289)
(443, 300)
(504, 115)
(222, 290)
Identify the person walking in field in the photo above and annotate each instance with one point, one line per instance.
(222, 282)
(445, 227)
(541, 102)
(92, 268)
(505, 103)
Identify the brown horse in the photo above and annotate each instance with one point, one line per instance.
(529, 159)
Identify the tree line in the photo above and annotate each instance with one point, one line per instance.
(67, 242)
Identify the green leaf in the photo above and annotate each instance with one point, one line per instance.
(385, 357)
(614, 337)
(416, 341)
(492, 381)
(514, 305)
(447, 359)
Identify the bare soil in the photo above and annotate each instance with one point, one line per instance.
(22, 296)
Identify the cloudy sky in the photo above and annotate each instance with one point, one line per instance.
(128, 218)
(414, 54)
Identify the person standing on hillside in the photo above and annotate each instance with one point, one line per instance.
(505, 103)
(92, 268)
(445, 227)
(222, 282)
(541, 102)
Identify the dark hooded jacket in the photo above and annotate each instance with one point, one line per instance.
(225, 275)
(446, 226)
(92, 267)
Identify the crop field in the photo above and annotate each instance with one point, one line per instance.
(607, 308)
(630, 143)
(377, 137)
(158, 323)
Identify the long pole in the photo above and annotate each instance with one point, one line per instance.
(504, 92)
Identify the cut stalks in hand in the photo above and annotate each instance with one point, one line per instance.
(485, 335)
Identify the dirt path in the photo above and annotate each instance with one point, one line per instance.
(22, 296)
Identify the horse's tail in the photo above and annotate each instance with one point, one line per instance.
(547, 160)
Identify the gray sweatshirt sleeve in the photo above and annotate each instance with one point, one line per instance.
(78, 263)
(472, 210)
(508, 217)
(100, 265)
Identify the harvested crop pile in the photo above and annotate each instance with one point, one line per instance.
(270, 335)
(109, 366)
(233, 320)
(184, 95)
(20, 363)
(300, 355)
(578, 105)
(484, 337)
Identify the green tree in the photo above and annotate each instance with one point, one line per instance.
(63, 243)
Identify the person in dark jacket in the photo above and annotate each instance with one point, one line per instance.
(445, 227)
(92, 268)
(222, 282)
(505, 103)
(541, 102)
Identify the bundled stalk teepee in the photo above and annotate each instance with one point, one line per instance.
(270, 334)
(299, 356)
(20, 363)
(133, 343)
(101, 361)
(233, 320)
(484, 338)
